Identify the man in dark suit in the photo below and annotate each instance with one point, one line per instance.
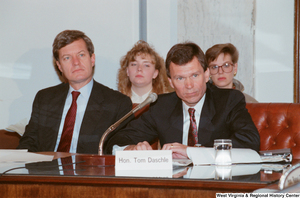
(97, 106)
(217, 113)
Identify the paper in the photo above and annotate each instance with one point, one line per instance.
(240, 155)
(206, 156)
(18, 127)
(7, 155)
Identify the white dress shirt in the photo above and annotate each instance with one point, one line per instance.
(186, 118)
(82, 101)
(139, 99)
(186, 121)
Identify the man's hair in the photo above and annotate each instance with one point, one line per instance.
(212, 53)
(67, 37)
(142, 48)
(183, 53)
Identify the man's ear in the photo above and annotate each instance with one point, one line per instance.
(59, 66)
(206, 75)
(171, 83)
(93, 58)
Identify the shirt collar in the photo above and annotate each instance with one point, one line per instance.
(197, 107)
(139, 99)
(85, 91)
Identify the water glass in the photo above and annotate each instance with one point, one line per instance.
(222, 151)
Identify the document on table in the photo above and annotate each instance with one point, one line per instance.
(7, 156)
(206, 156)
(14, 160)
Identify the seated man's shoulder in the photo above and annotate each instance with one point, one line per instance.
(227, 92)
(167, 98)
(165, 103)
(109, 92)
(54, 89)
(227, 98)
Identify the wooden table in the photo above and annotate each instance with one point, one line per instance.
(101, 182)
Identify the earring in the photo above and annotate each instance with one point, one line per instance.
(234, 74)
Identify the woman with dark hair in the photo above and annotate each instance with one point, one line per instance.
(222, 62)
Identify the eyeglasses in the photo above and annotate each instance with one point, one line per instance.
(227, 68)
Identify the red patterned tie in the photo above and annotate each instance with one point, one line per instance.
(66, 136)
(193, 134)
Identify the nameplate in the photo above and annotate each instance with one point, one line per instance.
(153, 163)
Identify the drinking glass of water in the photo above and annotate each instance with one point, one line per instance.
(222, 151)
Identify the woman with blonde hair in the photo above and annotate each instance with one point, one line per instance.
(142, 72)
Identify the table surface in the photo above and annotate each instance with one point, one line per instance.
(188, 179)
(260, 174)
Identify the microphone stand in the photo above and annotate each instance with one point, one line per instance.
(151, 98)
(101, 160)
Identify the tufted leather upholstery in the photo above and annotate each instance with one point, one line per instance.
(278, 125)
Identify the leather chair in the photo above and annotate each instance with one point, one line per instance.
(9, 140)
(278, 125)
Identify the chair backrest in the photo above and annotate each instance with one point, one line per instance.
(278, 125)
(9, 140)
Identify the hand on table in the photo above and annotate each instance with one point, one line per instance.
(178, 150)
(140, 146)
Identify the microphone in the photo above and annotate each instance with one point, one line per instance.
(151, 98)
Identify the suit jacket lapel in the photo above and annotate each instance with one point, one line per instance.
(56, 107)
(206, 128)
(176, 120)
(92, 113)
